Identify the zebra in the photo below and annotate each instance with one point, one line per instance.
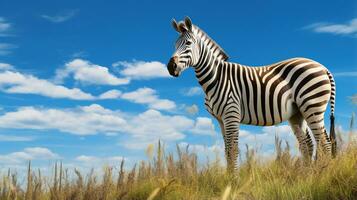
(296, 90)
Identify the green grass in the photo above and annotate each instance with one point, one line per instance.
(163, 177)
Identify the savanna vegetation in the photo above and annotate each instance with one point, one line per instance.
(180, 176)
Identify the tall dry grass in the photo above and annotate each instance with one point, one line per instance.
(169, 176)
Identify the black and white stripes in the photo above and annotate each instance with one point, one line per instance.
(295, 90)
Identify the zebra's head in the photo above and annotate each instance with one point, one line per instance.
(187, 48)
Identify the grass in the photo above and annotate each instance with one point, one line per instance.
(166, 176)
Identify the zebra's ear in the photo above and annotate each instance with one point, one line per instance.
(182, 27)
(174, 24)
(188, 23)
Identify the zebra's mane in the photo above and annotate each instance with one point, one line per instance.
(217, 50)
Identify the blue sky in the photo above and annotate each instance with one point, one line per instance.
(86, 82)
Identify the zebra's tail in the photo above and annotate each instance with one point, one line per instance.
(332, 116)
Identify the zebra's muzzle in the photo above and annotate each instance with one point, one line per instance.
(171, 67)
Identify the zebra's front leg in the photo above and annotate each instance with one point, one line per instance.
(230, 136)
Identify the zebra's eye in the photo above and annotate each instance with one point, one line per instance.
(188, 42)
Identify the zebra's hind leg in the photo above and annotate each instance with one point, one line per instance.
(315, 121)
(300, 129)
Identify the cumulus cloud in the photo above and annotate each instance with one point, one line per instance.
(349, 28)
(199, 148)
(193, 91)
(151, 125)
(110, 94)
(210, 152)
(12, 81)
(144, 95)
(6, 48)
(192, 110)
(95, 161)
(203, 126)
(265, 140)
(140, 129)
(144, 128)
(5, 26)
(142, 70)
(171, 128)
(267, 136)
(61, 17)
(16, 82)
(14, 138)
(79, 54)
(148, 96)
(88, 73)
(347, 135)
(152, 121)
(6, 66)
(343, 74)
(354, 99)
(32, 153)
(85, 120)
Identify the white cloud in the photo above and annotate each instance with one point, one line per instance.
(139, 130)
(349, 28)
(6, 66)
(200, 148)
(142, 128)
(154, 126)
(16, 82)
(148, 96)
(111, 94)
(33, 153)
(87, 163)
(39, 152)
(210, 152)
(94, 161)
(348, 135)
(150, 126)
(354, 99)
(79, 54)
(203, 126)
(193, 91)
(95, 108)
(84, 158)
(343, 74)
(268, 135)
(281, 129)
(4, 26)
(6, 48)
(44, 160)
(61, 17)
(14, 138)
(265, 141)
(192, 110)
(85, 120)
(243, 133)
(152, 122)
(142, 70)
(88, 73)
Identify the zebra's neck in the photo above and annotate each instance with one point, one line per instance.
(212, 58)
(207, 68)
